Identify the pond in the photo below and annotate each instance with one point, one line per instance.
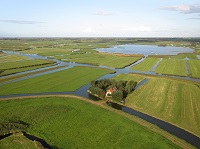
(146, 49)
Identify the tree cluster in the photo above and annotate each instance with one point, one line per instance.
(9, 127)
(123, 88)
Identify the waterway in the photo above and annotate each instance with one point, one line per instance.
(82, 91)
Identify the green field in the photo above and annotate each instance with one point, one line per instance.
(47, 51)
(110, 60)
(8, 78)
(65, 80)
(172, 67)
(194, 68)
(12, 58)
(184, 55)
(18, 141)
(172, 100)
(24, 65)
(146, 65)
(125, 77)
(71, 123)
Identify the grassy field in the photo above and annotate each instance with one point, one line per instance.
(65, 80)
(194, 68)
(12, 58)
(125, 77)
(172, 67)
(27, 45)
(110, 60)
(172, 100)
(71, 123)
(8, 78)
(14, 71)
(146, 65)
(18, 141)
(24, 65)
(47, 51)
(184, 55)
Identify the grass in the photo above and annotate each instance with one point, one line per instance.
(102, 59)
(172, 67)
(184, 55)
(14, 71)
(20, 66)
(146, 65)
(172, 100)
(47, 51)
(28, 74)
(125, 77)
(18, 141)
(194, 68)
(12, 58)
(62, 81)
(71, 123)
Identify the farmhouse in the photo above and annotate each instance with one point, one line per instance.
(110, 91)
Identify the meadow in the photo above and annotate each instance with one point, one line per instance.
(11, 77)
(172, 100)
(71, 123)
(146, 65)
(194, 68)
(62, 81)
(12, 58)
(172, 67)
(18, 141)
(12, 67)
(125, 77)
(110, 60)
(184, 56)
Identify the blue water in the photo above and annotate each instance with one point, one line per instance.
(146, 49)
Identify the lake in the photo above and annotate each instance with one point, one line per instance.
(146, 49)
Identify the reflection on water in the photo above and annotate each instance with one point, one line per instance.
(146, 49)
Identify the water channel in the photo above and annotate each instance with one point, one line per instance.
(82, 91)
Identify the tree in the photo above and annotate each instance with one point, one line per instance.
(92, 83)
(117, 95)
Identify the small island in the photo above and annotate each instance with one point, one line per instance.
(111, 89)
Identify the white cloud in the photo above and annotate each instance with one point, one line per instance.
(94, 29)
(102, 13)
(20, 21)
(139, 28)
(117, 30)
(89, 30)
(183, 8)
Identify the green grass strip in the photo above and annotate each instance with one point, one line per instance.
(172, 67)
(66, 80)
(194, 68)
(146, 65)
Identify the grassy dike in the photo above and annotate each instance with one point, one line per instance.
(71, 123)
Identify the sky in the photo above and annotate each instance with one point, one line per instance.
(99, 18)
